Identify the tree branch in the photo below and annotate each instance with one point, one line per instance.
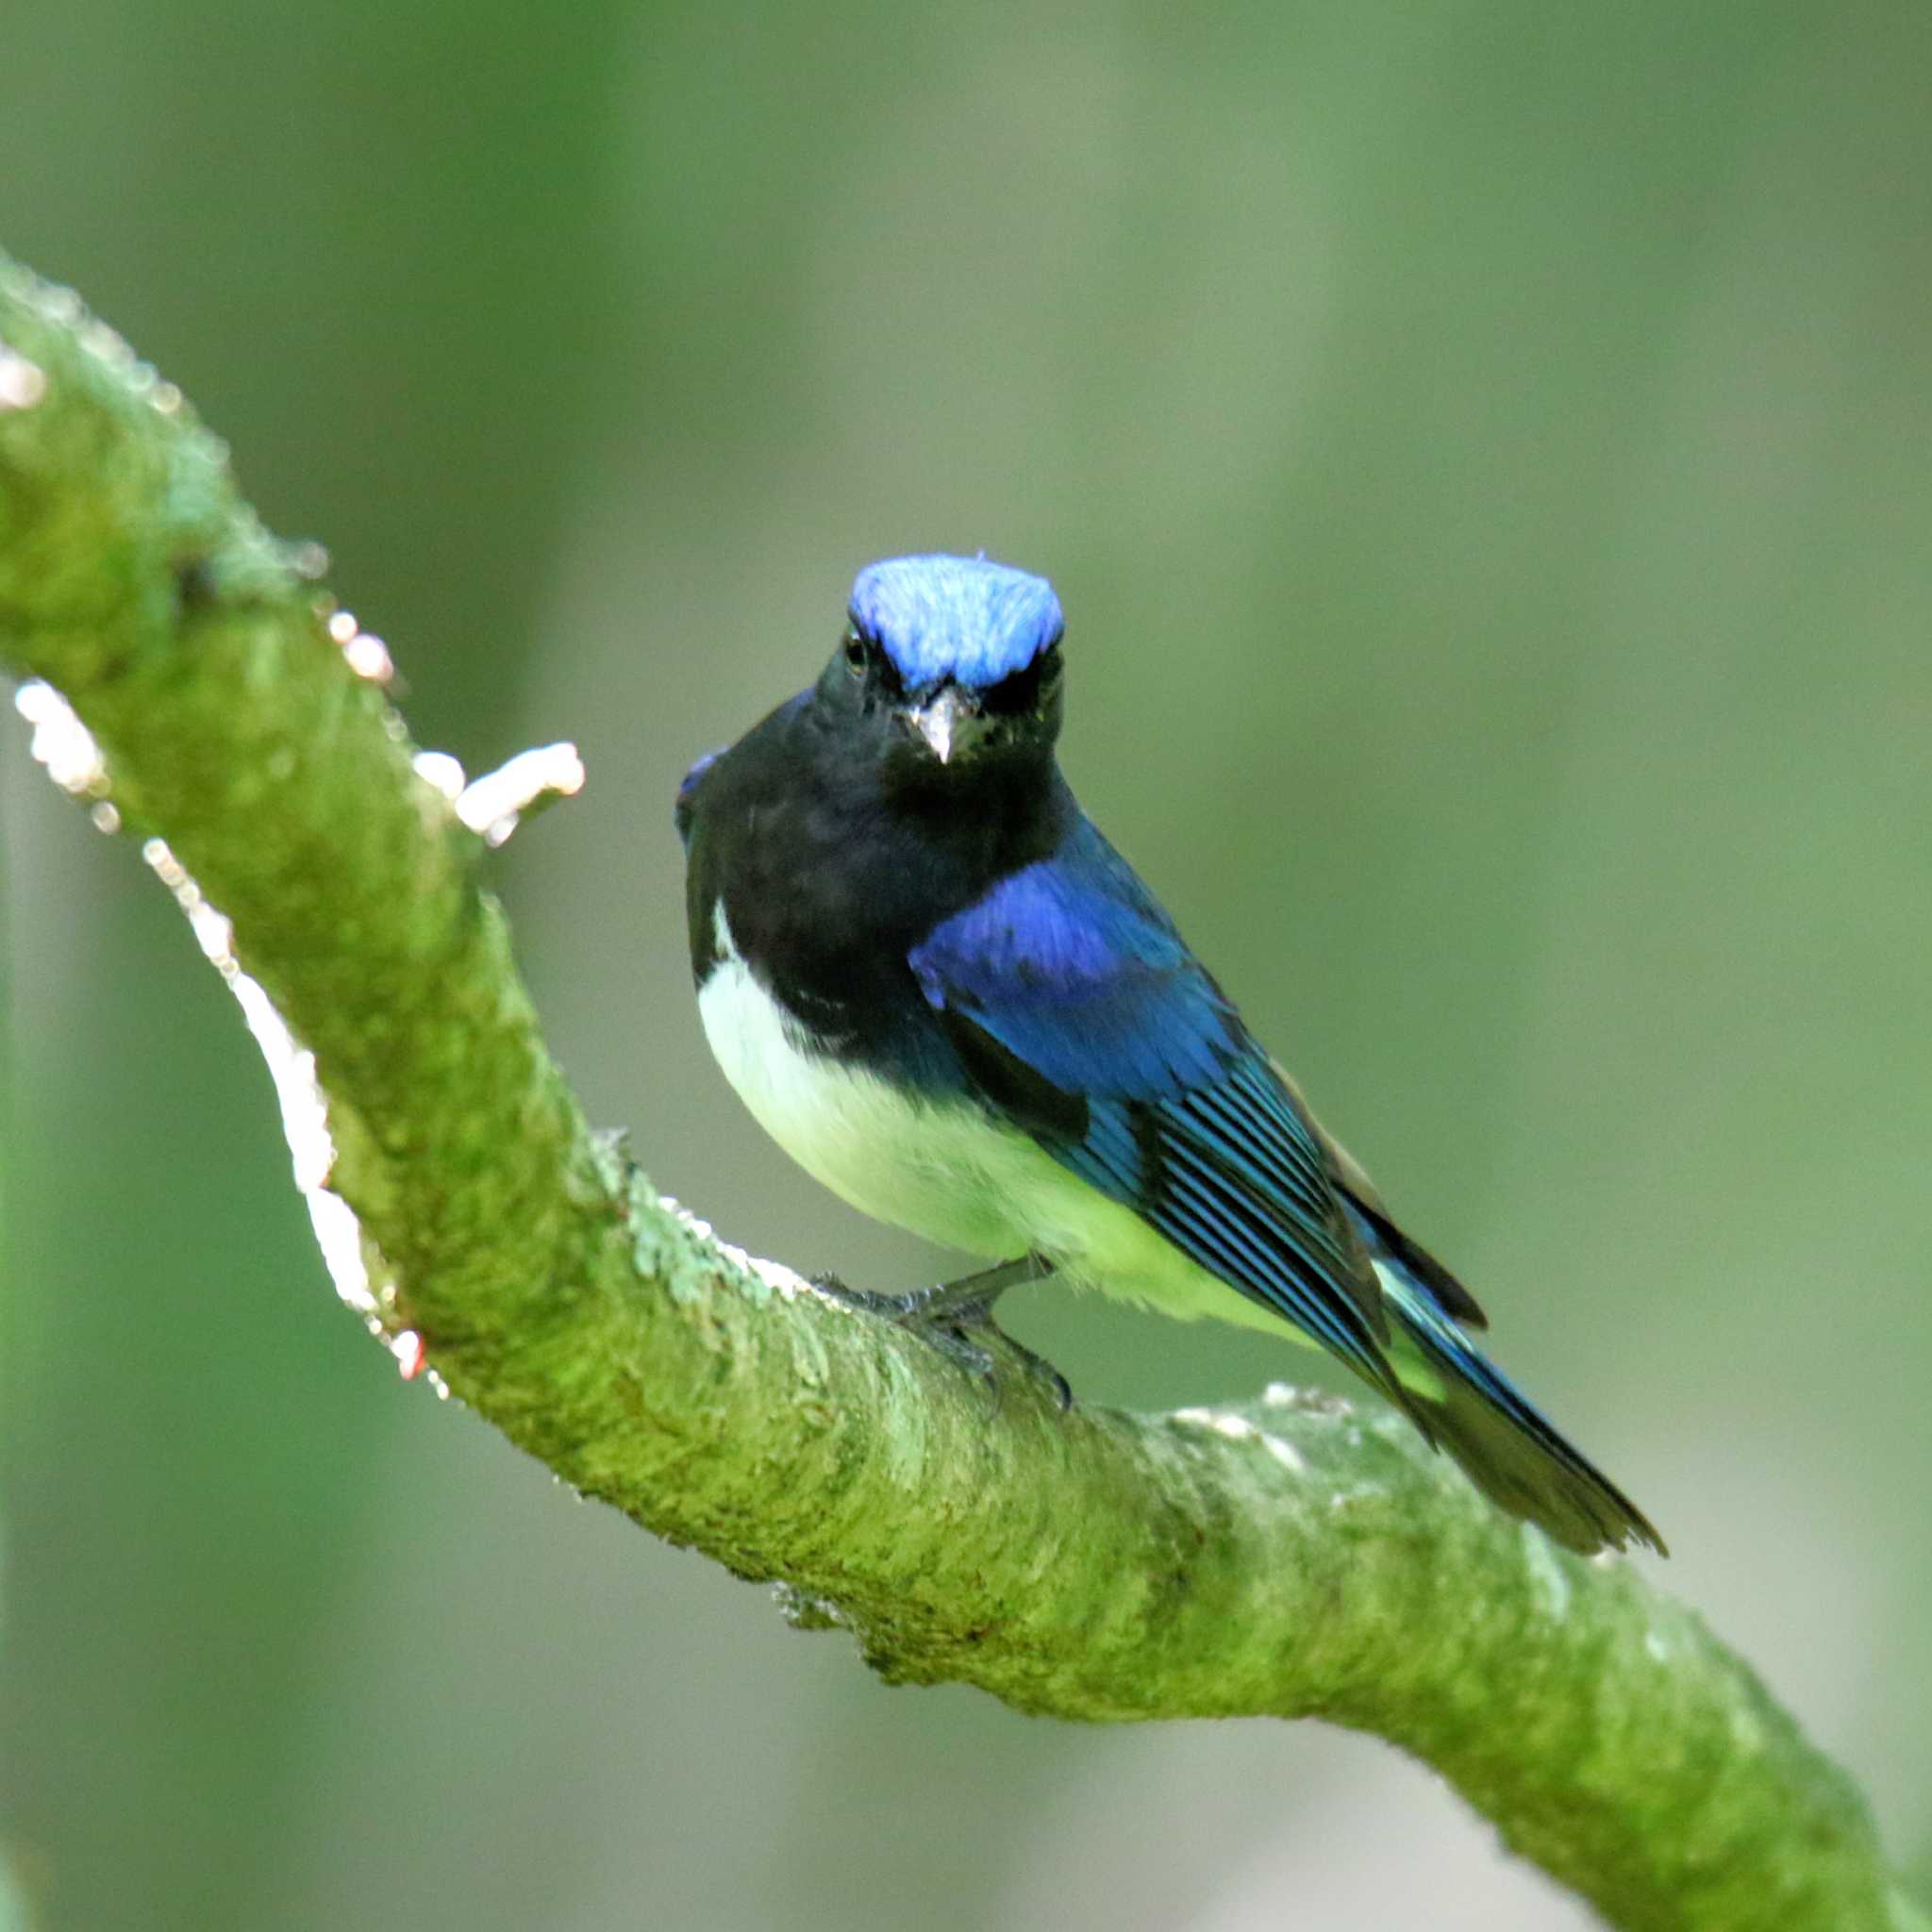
(1296, 1558)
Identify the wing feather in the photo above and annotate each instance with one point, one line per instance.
(1078, 1010)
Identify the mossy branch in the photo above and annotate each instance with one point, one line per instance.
(1296, 1558)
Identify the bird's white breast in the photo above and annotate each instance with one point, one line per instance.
(945, 1170)
(937, 1169)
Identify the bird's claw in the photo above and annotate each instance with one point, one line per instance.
(950, 1339)
(962, 1322)
(951, 1324)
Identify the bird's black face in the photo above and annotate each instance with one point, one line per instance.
(947, 727)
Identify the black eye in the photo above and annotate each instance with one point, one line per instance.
(1024, 690)
(857, 653)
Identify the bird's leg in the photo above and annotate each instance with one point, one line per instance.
(971, 1295)
(947, 1314)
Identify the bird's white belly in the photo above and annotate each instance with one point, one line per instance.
(947, 1170)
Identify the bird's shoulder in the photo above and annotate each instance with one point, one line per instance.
(1073, 964)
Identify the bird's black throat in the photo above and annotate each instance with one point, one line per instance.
(833, 853)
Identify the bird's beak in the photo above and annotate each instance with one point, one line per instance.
(944, 721)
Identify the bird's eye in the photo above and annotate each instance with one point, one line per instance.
(857, 655)
(1022, 691)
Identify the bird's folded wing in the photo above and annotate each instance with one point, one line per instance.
(1079, 1013)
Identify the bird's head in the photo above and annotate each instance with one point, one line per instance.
(951, 663)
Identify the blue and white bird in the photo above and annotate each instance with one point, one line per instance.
(943, 992)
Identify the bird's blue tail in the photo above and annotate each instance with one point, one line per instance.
(1503, 1443)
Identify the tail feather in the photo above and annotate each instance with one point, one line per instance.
(1415, 1260)
(1506, 1446)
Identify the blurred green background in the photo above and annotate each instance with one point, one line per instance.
(1484, 453)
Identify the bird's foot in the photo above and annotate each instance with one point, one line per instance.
(956, 1318)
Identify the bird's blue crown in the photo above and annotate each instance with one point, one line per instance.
(958, 617)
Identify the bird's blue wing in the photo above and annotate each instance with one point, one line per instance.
(1079, 1012)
